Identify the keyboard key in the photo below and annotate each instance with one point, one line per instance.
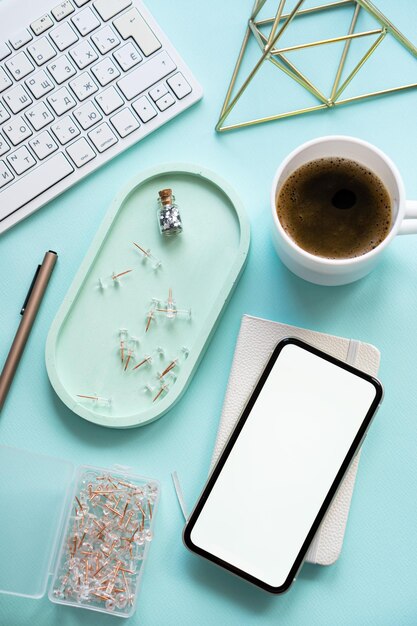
(87, 115)
(81, 3)
(81, 152)
(109, 8)
(4, 114)
(20, 38)
(103, 137)
(5, 81)
(105, 71)
(179, 85)
(109, 100)
(61, 101)
(4, 51)
(40, 116)
(144, 109)
(21, 160)
(65, 130)
(165, 102)
(41, 51)
(61, 69)
(83, 54)
(63, 36)
(85, 21)
(146, 75)
(158, 91)
(5, 176)
(34, 184)
(4, 146)
(62, 10)
(43, 145)
(124, 122)
(83, 86)
(42, 24)
(105, 39)
(39, 84)
(127, 56)
(17, 130)
(17, 99)
(132, 24)
(19, 66)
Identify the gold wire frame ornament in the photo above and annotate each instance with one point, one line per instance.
(276, 55)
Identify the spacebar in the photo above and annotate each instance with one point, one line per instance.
(33, 184)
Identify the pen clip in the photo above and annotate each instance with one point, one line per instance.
(30, 290)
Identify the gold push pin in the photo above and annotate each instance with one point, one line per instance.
(156, 263)
(151, 313)
(164, 389)
(95, 399)
(129, 356)
(171, 310)
(117, 276)
(123, 337)
(149, 319)
(147, 359)
(169, 367)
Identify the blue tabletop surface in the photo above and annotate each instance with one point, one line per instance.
(375, 579)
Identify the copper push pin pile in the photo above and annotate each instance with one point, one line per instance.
(106, 541)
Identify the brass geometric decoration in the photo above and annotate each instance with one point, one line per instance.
(271, 52)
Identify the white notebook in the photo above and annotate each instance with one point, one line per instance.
(256, 339)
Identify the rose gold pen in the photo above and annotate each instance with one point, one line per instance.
(28, 313)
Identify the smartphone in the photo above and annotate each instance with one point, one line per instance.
(280, 469)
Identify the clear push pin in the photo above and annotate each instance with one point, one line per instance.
(169, 367)
(146, 254)
(116, 277)
(170, 309)
(185, 313)
(130, 353)
(148, 388)
(185, 352)
(171, 377)
(134, 342)
(123, 334)
(151, 313)
(169, 219)
(147, 360)
(95, 399)
(101, 285)
(149, 317)
(164, 388)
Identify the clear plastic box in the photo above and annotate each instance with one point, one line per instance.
(40, 513)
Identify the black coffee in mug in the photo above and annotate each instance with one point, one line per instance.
(334, 208)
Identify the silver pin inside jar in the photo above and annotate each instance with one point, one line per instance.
(169, 218)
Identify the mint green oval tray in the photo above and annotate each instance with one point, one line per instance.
(202, 266)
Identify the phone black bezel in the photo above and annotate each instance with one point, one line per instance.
(229, 446)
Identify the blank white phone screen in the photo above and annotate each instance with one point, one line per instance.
(283, 464)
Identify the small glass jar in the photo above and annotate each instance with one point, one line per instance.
(169, 218)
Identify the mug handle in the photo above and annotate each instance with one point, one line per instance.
(409, 223)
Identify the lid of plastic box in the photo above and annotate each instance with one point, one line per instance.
(34, 489)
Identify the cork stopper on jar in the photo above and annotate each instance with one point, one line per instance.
(165, 196)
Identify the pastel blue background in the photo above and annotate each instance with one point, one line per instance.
(375, 580)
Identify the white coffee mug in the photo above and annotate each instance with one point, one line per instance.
(341, 271)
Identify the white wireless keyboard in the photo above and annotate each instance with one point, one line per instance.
(80, 81)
